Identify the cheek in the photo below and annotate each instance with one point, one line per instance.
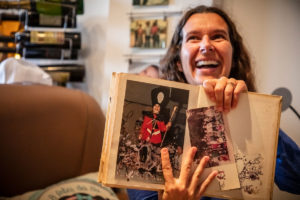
(187, 52)
(227, 56)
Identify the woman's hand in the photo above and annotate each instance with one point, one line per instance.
(187, 186)
(225, 92)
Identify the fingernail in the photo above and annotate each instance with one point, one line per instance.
(164, 150)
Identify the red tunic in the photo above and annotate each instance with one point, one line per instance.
(152, 128)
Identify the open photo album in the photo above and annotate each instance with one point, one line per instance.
(146, 114)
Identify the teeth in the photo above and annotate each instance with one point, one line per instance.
(206, 62)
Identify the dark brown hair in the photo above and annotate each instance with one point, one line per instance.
(241, 65)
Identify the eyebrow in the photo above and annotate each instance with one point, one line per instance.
(214, 31)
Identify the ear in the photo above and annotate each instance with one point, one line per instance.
(178, 63)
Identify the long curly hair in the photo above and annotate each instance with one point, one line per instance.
(241, 66)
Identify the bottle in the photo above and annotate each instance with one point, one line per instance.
(49, 7)
(39, 53)
(38, 39)
(34, 19)
(76, 72)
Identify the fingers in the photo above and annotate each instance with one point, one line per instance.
(198, 172)
(228, 94)
(166, 166)
(187, 165)
(206, 183)
(209, 86)
(184, 187)
(219, 92)
(224, 92)
(240, 87)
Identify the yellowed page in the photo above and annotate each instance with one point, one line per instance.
(114, 175)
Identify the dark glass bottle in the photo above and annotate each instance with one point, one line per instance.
(76, 72)
(38, 39)
(45, 53)
(34, 19)
(50, 7)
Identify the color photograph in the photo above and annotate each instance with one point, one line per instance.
(150, 122)
(207, 133)
(150, 33)
(149, 2)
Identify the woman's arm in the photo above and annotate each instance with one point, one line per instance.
(287, 173)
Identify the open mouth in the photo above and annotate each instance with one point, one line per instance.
(207, 64)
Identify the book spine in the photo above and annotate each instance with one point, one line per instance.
(108, 128)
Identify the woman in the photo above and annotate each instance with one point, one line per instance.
(207, 50)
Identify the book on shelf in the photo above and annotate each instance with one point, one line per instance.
(146, 114)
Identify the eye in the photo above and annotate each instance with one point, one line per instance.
(219, 37)
(193, 38)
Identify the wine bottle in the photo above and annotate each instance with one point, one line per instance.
(7, 39)
(38, 39)
(41, 20)
(49, 7)
(76, 72)
(47, 53)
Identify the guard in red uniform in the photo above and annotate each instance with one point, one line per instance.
(153, 126)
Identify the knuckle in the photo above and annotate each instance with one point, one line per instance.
(188, 166)
(236, 92)
(182, 189)
(190, 193)
(223, 78)
(228, 93)
(198, 175)
(166, 167)
(218, 89)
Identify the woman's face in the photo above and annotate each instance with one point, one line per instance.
(206, 51)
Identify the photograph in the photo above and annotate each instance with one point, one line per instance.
(150, 122)
(148, 33)
(149, 2)
(207, 133)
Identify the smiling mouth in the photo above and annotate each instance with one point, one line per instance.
(207, 64)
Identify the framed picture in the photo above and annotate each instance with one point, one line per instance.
(149, 2)
(148, 33)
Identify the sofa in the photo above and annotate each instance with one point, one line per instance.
(48, 134)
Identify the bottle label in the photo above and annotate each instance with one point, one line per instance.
(50, 20)
(38, 37)
(66, 53)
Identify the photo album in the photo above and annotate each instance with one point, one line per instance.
(146, 114)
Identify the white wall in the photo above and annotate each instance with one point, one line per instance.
(93, 25)
(270, 29)
(118, 35)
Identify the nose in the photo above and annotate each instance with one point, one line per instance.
(206, 45)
